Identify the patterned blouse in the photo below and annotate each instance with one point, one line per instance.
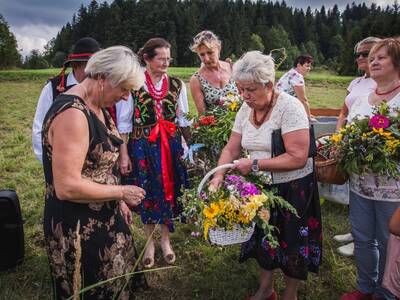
(107, 248)
(213, 94)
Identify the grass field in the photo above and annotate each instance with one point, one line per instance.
(204, 271)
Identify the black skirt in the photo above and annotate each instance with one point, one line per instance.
(300, 239)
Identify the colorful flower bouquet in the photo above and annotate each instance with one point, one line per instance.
(238, 203)
(213, 130)
(368, 145)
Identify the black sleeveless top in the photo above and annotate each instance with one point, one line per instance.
(105, 239)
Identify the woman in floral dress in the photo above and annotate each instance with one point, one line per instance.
(85, 215)
(213, 80)
(151, 158)
(265, 110)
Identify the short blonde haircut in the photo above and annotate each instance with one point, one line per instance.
(254, 66)
(119, 65)
(205, 38)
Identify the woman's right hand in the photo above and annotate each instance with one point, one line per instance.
(215, 183)
(132, 195)
(125, 164)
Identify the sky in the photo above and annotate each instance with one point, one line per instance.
(35, 22)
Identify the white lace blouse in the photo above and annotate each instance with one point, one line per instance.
(287, 114)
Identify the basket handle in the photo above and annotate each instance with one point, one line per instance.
(210, 173)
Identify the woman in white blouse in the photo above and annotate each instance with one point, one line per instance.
(265, 110)
(373, 199)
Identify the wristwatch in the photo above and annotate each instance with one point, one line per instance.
(254, 166)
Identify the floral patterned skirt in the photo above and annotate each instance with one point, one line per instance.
(300, 239)
(104, 245)
(146, 173)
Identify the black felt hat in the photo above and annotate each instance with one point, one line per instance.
(83, 50)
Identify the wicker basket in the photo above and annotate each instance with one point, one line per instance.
(220, 236)
(328, 172)
(224, 237)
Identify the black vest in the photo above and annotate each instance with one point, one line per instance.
(55, 81)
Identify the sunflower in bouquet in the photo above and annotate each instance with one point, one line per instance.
(237, 203)
(369, 144)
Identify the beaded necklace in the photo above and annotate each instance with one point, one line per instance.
(154, 93)
(264, 116)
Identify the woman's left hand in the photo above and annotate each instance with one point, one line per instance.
(126, 212)
(243, 165)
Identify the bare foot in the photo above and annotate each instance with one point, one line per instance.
(148, 257)
(168, 253)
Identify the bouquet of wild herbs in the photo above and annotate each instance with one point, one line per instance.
(369, 144)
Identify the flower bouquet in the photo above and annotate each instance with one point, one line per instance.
(369, 144)
(213, 129)
(228, 215)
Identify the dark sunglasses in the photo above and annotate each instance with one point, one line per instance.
(362, 53)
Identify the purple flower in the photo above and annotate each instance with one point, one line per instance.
(248, 189)
(379, 121)
(195, 234)
(304, 251)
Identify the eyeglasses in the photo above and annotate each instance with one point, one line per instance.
(362, 53)
(167, 60)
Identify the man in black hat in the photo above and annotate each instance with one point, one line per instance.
(82, 51)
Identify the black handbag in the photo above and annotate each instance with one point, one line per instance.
(278, 146)
(11, 230)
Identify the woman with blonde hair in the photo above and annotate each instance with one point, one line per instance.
(213, 80)
(86, 210)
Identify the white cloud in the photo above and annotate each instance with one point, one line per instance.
(33, 36)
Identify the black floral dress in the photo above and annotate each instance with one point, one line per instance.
(104, 243)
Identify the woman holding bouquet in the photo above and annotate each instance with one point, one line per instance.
(213, 80)
(373, 198)
(154, 118)
(265, 110)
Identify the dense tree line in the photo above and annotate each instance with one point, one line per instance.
(329, 35)
(9, 56)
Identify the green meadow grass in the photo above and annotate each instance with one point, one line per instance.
(205, 272)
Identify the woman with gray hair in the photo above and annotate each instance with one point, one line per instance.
(86, 214)
(213, 80)
(264, 111)
(361, 85)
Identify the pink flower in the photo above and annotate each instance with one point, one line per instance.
(313, 223)
(142, 164)
(379, 121)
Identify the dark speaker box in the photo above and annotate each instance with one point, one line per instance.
(11, 230)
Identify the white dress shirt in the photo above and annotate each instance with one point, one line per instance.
(125, 110)
(43, 106)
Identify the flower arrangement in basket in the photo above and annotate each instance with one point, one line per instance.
(326, 161)
(228, 215)
(369, 144)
